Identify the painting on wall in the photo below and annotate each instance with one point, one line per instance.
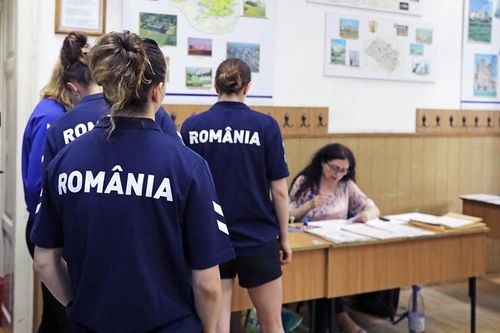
(480, 21)
(485, 75)
(161, 28)
(248, 52)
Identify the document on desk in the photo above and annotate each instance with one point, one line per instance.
(370, 231)
(406, 217)
(330, 224)
(337, 235)
(402, 230)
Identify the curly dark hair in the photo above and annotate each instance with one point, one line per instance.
(312, 172)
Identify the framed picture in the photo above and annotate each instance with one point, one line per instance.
(87, 16)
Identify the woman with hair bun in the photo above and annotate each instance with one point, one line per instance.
(245, 152)
(54, 103)
(133, 210)
(90, 102)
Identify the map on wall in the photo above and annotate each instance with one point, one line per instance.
(481, 55)
(370, 47)
(197, 35)
(410, 7)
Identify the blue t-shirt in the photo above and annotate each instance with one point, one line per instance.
(46, 112)
(82, 118)
(135, 214)
(244, 150)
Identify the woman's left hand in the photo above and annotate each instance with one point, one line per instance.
(285, 253)
(361, 217)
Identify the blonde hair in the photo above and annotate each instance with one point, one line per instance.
(56, 88)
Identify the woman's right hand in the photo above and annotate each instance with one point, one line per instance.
(317, 201)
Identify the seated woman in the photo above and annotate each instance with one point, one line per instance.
(325, 190)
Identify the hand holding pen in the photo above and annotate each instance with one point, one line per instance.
(316, 200)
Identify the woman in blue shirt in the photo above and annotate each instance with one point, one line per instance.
(245, 152)
(133, 210)
(56, 99)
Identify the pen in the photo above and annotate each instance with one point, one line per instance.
(383, 218)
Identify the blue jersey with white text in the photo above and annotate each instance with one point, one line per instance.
(82, 118)
(244, 150)
(135, 213)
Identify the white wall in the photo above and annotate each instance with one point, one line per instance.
(362, 105)
(356, 105)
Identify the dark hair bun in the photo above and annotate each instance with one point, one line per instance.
(232, 76)
(74, 50)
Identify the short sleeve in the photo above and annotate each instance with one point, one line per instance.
(296, 202)
(47, 228)
(358, 201)
(206, 235)
(166, 124)
(276, 165)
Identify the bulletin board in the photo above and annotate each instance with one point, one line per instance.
(197, 35)
(481, 54)
(364, 46)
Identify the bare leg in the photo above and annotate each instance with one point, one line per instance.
(348, 325)
(224, 321)
(268, 299)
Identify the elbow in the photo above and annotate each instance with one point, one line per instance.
(211, 292)
(39, 265)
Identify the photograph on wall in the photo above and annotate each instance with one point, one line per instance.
(161, 28)
(349, 29)
(423, 36)
(200, 46)
(485, 75)
(480, 55)
(401, 30)
(254, 8)
(199, 77)
(480, 21)
(409, 7)
(248, 52)
(416, 49)
(387, 49)
(354, 58)
(338, 52)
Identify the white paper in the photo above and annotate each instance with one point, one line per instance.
(370, 231)
(402, 230)
(337, 235)
(453, 222)
(406, 217)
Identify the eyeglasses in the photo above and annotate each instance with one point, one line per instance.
(335, 169)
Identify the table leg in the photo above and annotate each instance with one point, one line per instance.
(472, 296)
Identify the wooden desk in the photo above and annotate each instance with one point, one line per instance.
(377, 265)
(490, 213)
(303, 279)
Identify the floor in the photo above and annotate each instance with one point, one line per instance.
(447, 309)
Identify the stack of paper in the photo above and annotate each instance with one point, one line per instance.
(450, 221)
(400, 229)
(370, 231)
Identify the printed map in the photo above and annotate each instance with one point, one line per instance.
(210, 16)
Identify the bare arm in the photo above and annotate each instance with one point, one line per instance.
(51, 268)
(207, 296)
(279, 191)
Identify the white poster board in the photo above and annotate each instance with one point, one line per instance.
(371, 47)
(410, 7)
(197, 35)
(481, 55)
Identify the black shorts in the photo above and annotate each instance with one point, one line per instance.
(261, 267)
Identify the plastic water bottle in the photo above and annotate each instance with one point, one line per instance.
(416, 314)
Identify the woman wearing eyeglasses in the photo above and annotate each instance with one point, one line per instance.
(325, 190)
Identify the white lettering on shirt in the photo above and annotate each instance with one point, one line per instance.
(119, 183)
(71, 134)
(228, 135)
